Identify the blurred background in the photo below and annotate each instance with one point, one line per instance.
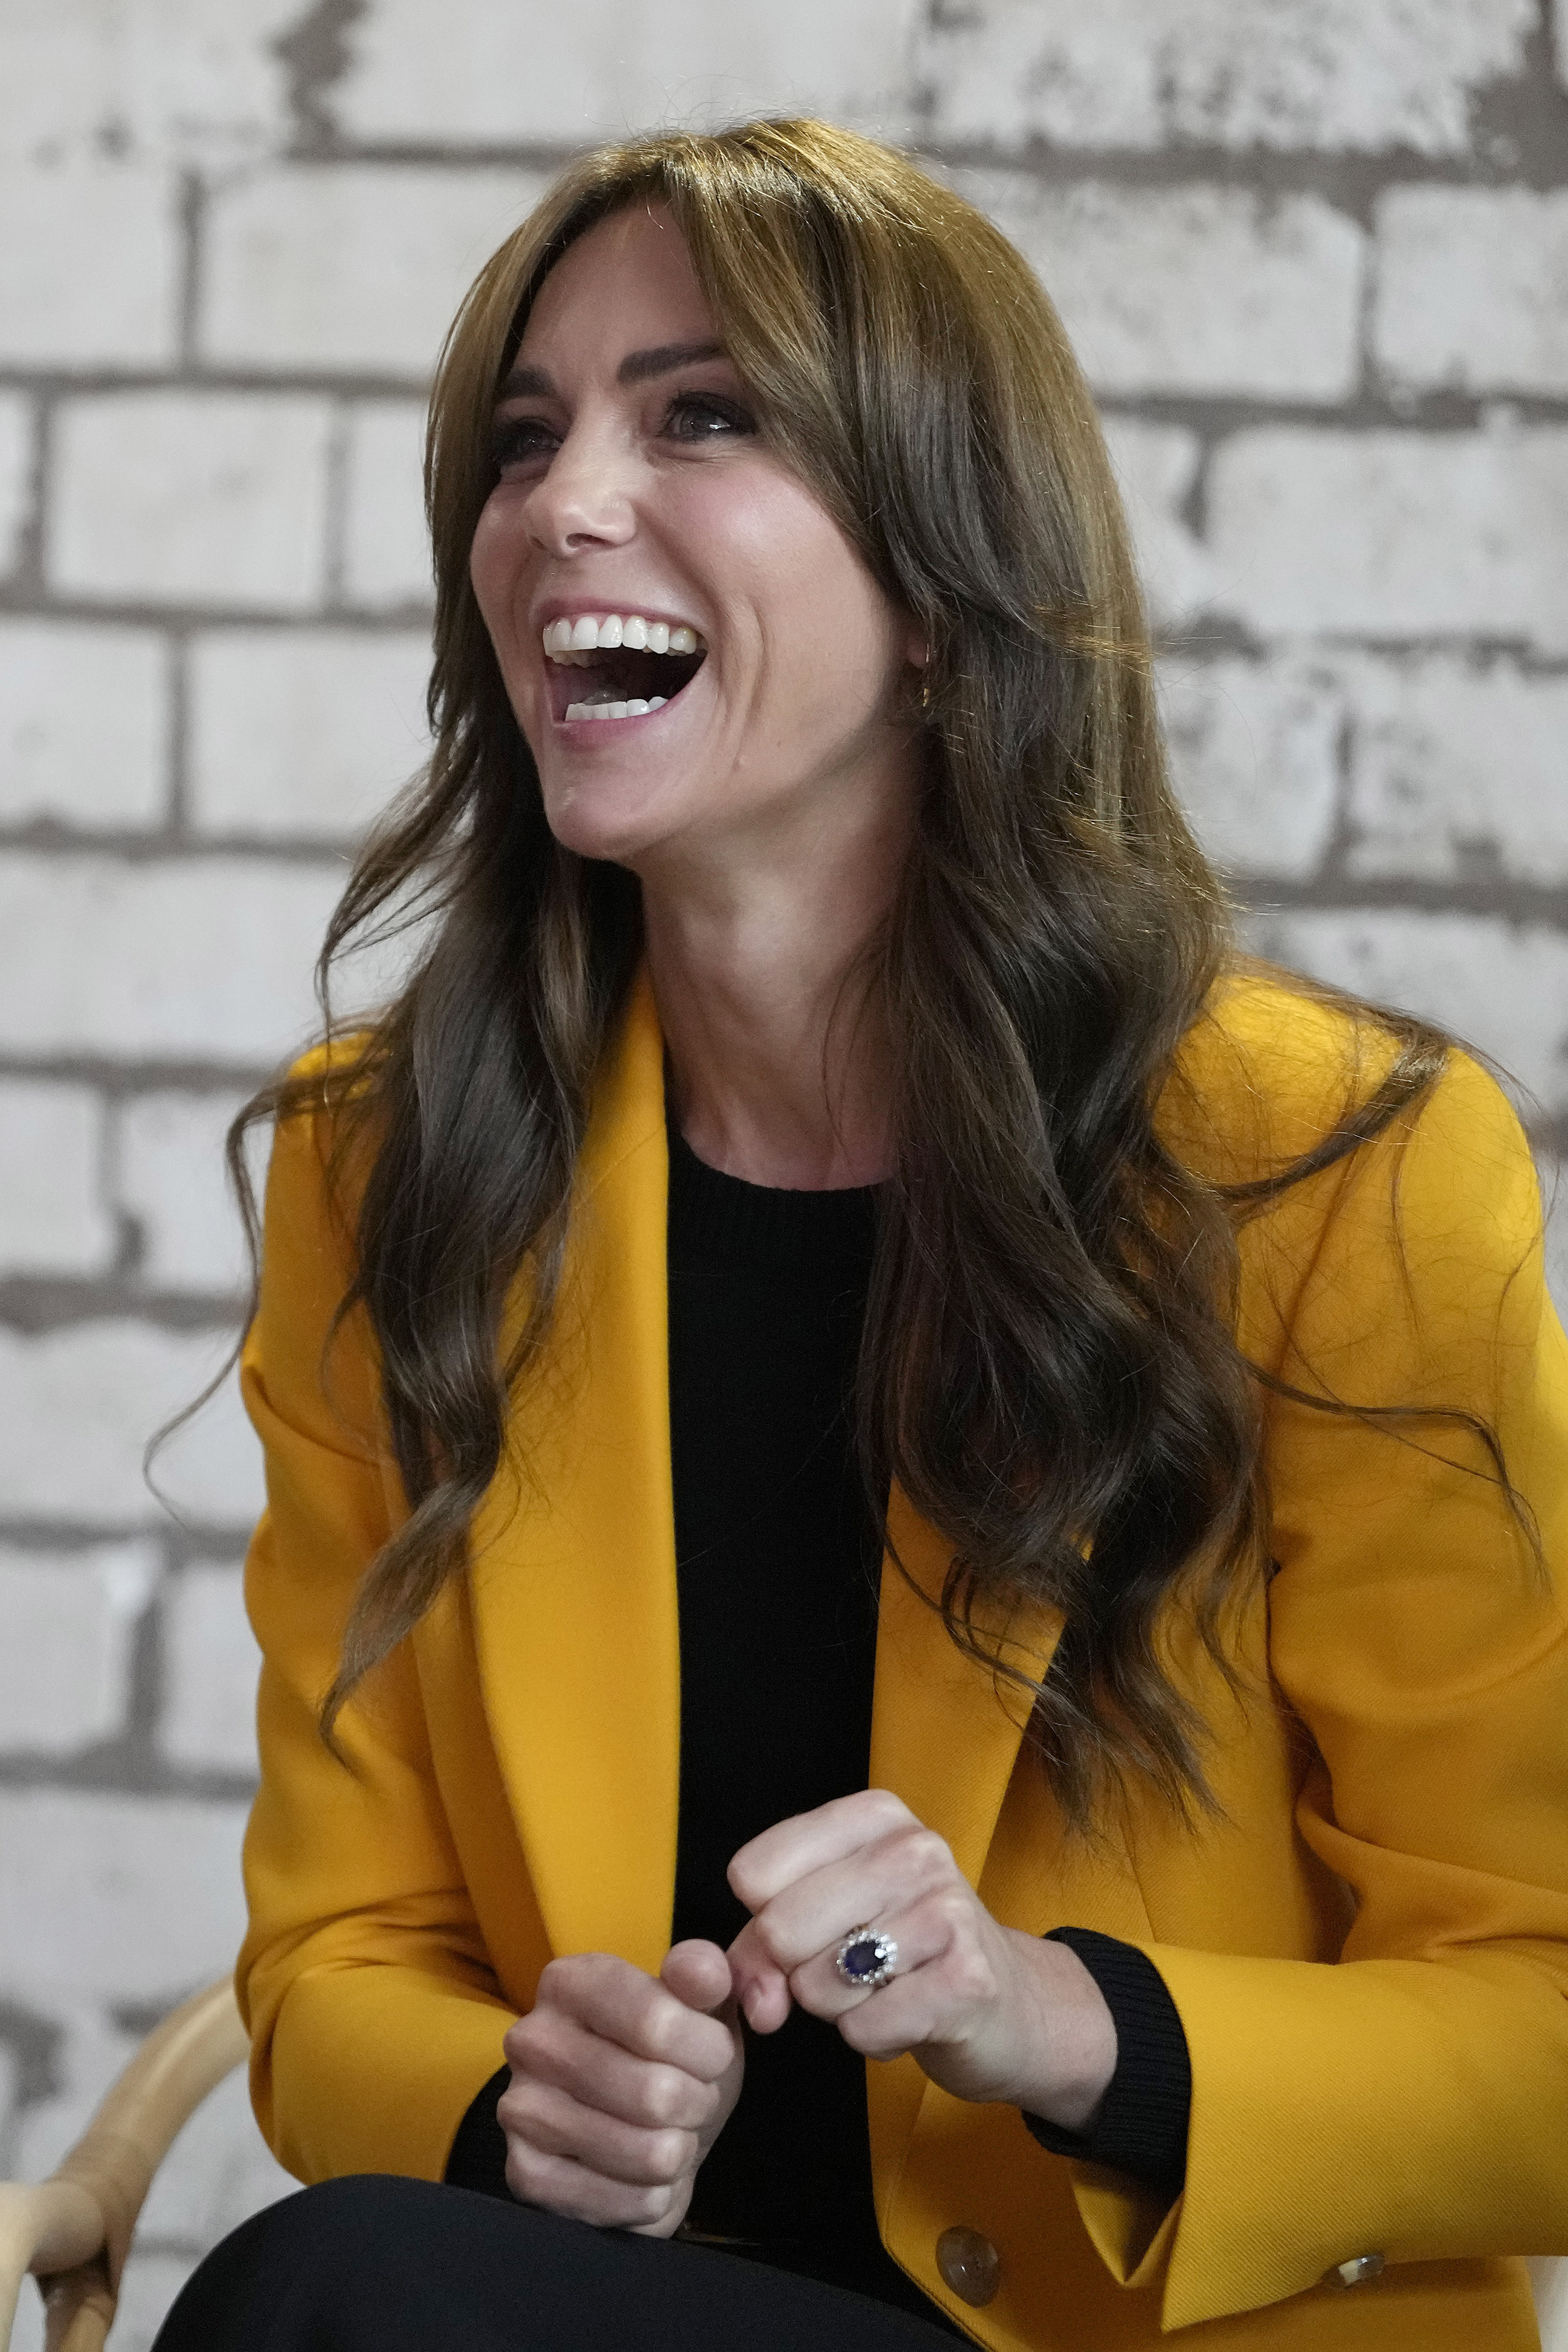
(1314, 254)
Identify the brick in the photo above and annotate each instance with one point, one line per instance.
(1501, 985)
(190, 497)
(220, 2171)
(1472, 290)
(1341, 75)
(1457, 773)
(196, 81)
(78, 1405)
(209, 957)
(171, 1180)
(304, 732)
(358, 267)
(387, 546)
(87, 2050)
(16, 475)
(1192, 290)
(84, 724)
(1394, 534)
(1156, 467)
(52, 1215)
(210, 1663)
(90, 265)
(475, 72)
(1255, 757)
(66, 1629)
(116, 1898)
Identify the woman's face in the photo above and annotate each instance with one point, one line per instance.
(641, 522)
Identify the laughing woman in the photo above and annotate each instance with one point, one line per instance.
(877, 1450)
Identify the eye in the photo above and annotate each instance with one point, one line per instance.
(706, 416)
(518, 441)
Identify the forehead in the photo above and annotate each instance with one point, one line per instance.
(628, 282)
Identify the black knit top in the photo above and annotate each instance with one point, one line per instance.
(778, 1561)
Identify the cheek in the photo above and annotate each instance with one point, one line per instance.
(494, 562)
(817, 611)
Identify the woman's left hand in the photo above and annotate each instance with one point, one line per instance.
(989, 2012)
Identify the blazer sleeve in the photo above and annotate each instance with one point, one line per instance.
(1409, 2100)
(373, 2014)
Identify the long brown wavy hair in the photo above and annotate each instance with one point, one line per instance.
(1048, 1368)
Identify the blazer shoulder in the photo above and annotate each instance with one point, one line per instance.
(1274, 1065)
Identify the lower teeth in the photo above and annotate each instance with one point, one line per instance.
(614, 709)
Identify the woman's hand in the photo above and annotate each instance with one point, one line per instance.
(989, 2012)
(620, 2084)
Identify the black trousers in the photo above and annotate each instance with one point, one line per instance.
(377, 2263)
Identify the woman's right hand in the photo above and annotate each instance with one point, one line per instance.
(620, 2084)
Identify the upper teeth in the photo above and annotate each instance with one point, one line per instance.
(574, 640)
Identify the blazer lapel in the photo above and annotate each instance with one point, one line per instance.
(944, 1732)
(573, 1558)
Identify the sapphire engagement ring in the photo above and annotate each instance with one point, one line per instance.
(866, 1959)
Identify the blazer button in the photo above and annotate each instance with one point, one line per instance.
(1358, 2270)
(969, 2264)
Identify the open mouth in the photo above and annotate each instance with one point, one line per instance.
(605, 665)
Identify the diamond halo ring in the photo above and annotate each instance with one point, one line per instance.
(866, 1959)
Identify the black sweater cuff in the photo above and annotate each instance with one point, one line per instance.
(1142, 2124)
(477, 2159)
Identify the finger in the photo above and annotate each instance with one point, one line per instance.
(816, 1911)
(564, 2187)
(627, 2006)
(548, 2047)
(924, 1938)
(698, 1974)
(553, 2123)
(761, 1988)
(808, 1842)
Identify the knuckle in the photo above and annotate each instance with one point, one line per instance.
(927, 1854)
(669, 2153)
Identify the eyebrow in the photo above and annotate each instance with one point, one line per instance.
(535, 384)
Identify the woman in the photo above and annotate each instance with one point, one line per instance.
(838, 1374)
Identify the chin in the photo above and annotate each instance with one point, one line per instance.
(607, 820)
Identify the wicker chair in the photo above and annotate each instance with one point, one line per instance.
(74, 2230)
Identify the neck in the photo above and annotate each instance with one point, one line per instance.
(771, 1011)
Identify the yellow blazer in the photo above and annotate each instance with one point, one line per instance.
(1369, 1949)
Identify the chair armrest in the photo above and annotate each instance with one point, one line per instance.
(75, 2228)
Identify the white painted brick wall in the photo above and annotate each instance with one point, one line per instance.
(206, 957)
(90, 265)
(84, 724)
(1156, 469)
(1456, 772)
(197, 80)
(173, 498)
(1472, 290)
(386, 547)
(66, 1661)
(355, 270)
(1501, 986)
(210, 1666)
(169, 1178)
(303, 732)
(15, 475)
(54, 1218)
(1390, 534)
(1204, 289)
(79, 1405)
(1255, 757)
(142, 1894)
(1313, 252)
(476, 71)
(1327, 73)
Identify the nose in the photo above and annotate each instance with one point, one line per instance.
(583, 500)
